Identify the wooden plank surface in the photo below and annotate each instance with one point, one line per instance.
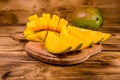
(17, 11)
(15, 64)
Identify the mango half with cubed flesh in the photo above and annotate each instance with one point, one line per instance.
(58, 36)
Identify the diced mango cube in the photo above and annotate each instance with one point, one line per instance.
(33, 18)
(46, 19)
(32, 25)
(62, 23)
(54, 22)
(43, 23)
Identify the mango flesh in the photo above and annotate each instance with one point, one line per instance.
(32, 26)
(43, 23)
(89, 34)
(62, 23)
(86, 42)
(54, 22)
(106, 36)
(59, 37)
(46, 19)
(27, 32)
(54, 44)
(33, 17)
(71, 40)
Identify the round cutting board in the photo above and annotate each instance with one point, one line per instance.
(38, 51)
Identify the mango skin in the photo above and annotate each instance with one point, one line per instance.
(89, 18)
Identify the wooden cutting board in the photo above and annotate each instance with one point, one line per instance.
(38, 51)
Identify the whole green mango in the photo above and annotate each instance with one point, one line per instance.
(89, 17)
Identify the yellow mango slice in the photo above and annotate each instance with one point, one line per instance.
(32, 25)
(86, 42)
(54, 22)
(71, 40)
(62, 22)
(32, 37)
(105, 35)
(33, 18)
(90, 34)
(41, 35)
(54, 44)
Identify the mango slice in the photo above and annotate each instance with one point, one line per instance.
(90, 34)
(86, 42)
(62, 22)
(71, 40)
(41, 35)
(54, 44)
(54, 22)
(106, 36)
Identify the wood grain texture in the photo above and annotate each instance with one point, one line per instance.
(17, 11)
(104, 66)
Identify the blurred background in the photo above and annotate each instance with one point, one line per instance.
(16, 12)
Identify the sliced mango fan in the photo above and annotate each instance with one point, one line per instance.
(60, 37)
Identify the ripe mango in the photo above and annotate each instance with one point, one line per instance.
(88, 17)
(71, 40)
(54, 44)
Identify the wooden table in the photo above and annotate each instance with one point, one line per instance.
(15, 64)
